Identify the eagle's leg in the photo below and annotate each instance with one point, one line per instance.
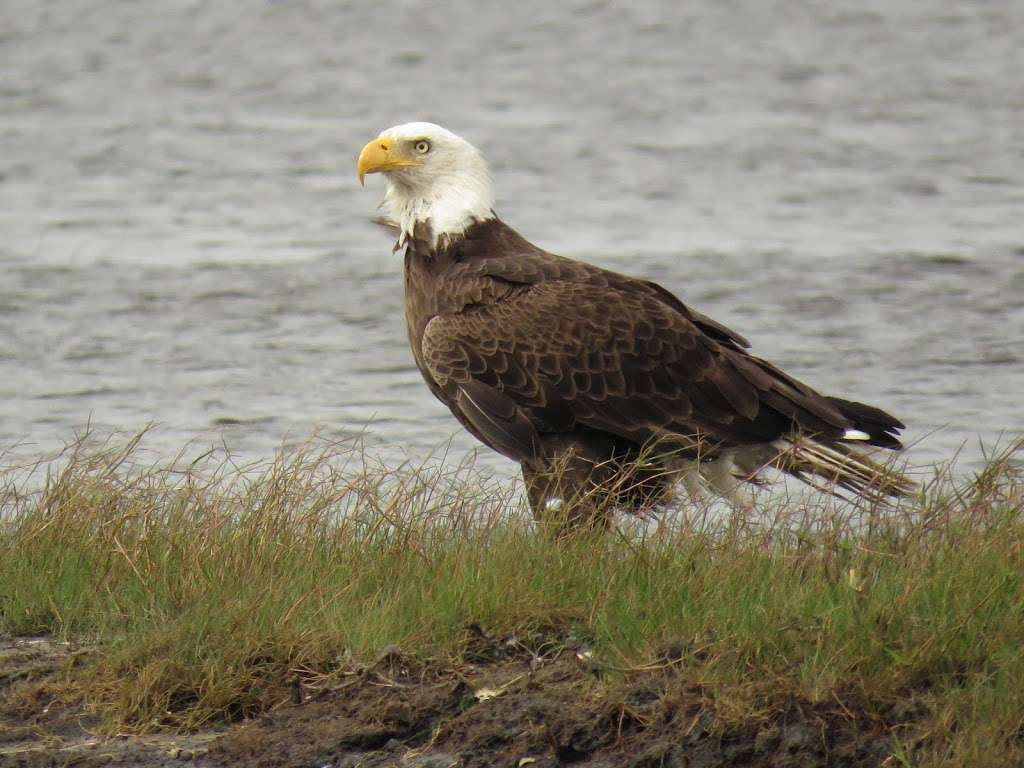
(729, 481)
(722, 477)
(564, 498)
(572, 493)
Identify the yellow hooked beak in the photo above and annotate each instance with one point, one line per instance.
(382, 154)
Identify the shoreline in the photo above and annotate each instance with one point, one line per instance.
(508, 708)
(319, 612)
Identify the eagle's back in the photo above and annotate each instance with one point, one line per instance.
(528, 348)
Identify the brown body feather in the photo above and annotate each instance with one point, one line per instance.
(575, 371)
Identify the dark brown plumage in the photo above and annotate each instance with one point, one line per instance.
(577, 373)
(606, 388)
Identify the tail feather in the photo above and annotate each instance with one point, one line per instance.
(844, 466)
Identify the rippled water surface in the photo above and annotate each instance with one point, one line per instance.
(184, 241)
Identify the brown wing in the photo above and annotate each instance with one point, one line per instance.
(579, 346)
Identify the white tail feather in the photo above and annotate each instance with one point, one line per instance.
(841, 465)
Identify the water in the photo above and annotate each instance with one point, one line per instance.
(184, 241)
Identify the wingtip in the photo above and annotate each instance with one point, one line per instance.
(856, 434)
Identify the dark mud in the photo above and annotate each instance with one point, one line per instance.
(501, 706)
(43, 724)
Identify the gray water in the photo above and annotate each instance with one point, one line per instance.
(184, 240)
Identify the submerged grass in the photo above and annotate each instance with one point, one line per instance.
(208, 588)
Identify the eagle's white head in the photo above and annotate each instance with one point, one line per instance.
(431, 174)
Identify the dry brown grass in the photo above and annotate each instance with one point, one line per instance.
(208, 587)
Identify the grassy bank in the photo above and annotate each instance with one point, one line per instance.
(210, 590)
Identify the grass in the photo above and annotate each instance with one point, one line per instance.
(208, 587)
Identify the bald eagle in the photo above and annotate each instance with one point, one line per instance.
(605, 388)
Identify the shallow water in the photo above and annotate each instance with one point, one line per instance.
(184, 241)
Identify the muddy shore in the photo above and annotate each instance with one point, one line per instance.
(499, 706)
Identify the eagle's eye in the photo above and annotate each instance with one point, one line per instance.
(422, 146)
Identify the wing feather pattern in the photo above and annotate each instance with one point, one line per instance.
(610, 354)
(542, 358)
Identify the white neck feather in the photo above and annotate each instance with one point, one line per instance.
(452, 200)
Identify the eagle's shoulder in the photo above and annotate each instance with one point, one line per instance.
(494, 250)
